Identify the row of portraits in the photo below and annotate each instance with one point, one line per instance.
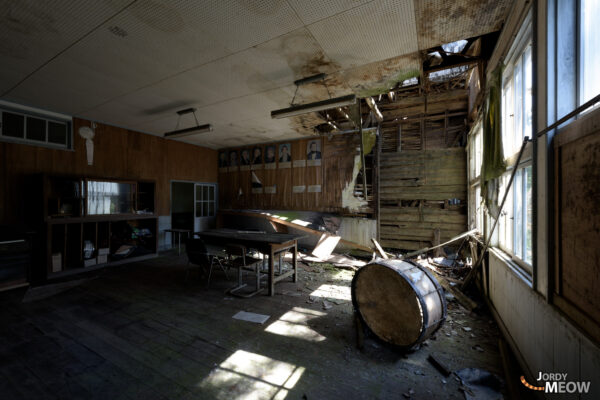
(276, 152)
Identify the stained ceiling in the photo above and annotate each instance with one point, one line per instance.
(135, 63)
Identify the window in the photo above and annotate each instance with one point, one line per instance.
(21, 127)
(515, 221)
(475, 153)
(589, 57)
(205, 200)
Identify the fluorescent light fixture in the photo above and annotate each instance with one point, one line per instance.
(314, 107)
(189, 131)
(194, 130)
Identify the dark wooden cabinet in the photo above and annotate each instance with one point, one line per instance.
(91, 223)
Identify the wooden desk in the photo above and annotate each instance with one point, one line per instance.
(268, 244)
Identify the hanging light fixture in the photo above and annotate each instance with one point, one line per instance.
(300, 109)
(177, 133)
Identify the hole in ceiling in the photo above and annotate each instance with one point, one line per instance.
(448, 73)
(409, 82)
(455, 47)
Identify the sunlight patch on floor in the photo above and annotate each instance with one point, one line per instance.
(294, 324)
(248, 376)
(336, 292)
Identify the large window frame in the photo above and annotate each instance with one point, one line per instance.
(515, 226)
(475, 152)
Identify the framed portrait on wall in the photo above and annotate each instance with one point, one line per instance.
(245, 159)
(285, 155)
(313, 152)
(270, 157)
(257, 157)
(223, 161)
(233, 160)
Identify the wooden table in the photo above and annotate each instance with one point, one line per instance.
(268, 244)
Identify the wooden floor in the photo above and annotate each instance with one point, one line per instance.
(144, 331)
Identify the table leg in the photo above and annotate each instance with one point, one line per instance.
(271, 273)
(179, 243)
(294, 262)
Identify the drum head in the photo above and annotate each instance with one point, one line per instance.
(388, 305)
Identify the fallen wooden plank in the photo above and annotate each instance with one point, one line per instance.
(462, 298)
(440, 366)
(325, 246)
(425, 250)
(310, 231)
(382, 253)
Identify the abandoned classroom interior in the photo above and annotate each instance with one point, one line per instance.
(299, 199)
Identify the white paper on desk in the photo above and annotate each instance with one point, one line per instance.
(252, 317)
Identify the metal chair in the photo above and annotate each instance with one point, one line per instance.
(239, 259)
(198, 254)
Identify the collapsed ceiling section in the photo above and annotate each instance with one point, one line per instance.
(134, 64)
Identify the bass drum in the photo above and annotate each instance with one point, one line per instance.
(400, 301)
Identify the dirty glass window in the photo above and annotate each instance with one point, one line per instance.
(589, 50)
(515, 220)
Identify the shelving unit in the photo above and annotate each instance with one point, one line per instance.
(114, 218)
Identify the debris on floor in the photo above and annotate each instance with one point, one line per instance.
(252, 317)
(480, 384)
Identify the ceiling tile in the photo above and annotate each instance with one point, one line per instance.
(372, 32)
(445, 21)
(32, 32)
(240, 24)
(311, 11)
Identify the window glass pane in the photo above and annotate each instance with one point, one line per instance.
(518, 214)
(198, 209)
(211, 209)
(211, 193)
(590, 43)
(518, 107)
(528, 94)
(109, 197)
(57, 132)
(13, 125)
(205, 209)
(204, 192)
(507, 117)
(198, 192)
(529, 215)
(36, 129)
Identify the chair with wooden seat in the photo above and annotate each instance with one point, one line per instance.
(238, 258)
(199, 255)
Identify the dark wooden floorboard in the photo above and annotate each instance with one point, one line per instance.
(144, 331)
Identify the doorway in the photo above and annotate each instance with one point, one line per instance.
(193, 205)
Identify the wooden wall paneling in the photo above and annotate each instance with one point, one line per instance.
(284, 197)
(418, 177)
(298, 174)
(580, 224)
(118, 153)
(270, 180)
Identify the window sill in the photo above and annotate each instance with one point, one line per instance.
(517, 269)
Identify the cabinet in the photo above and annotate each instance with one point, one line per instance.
(91, 223)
